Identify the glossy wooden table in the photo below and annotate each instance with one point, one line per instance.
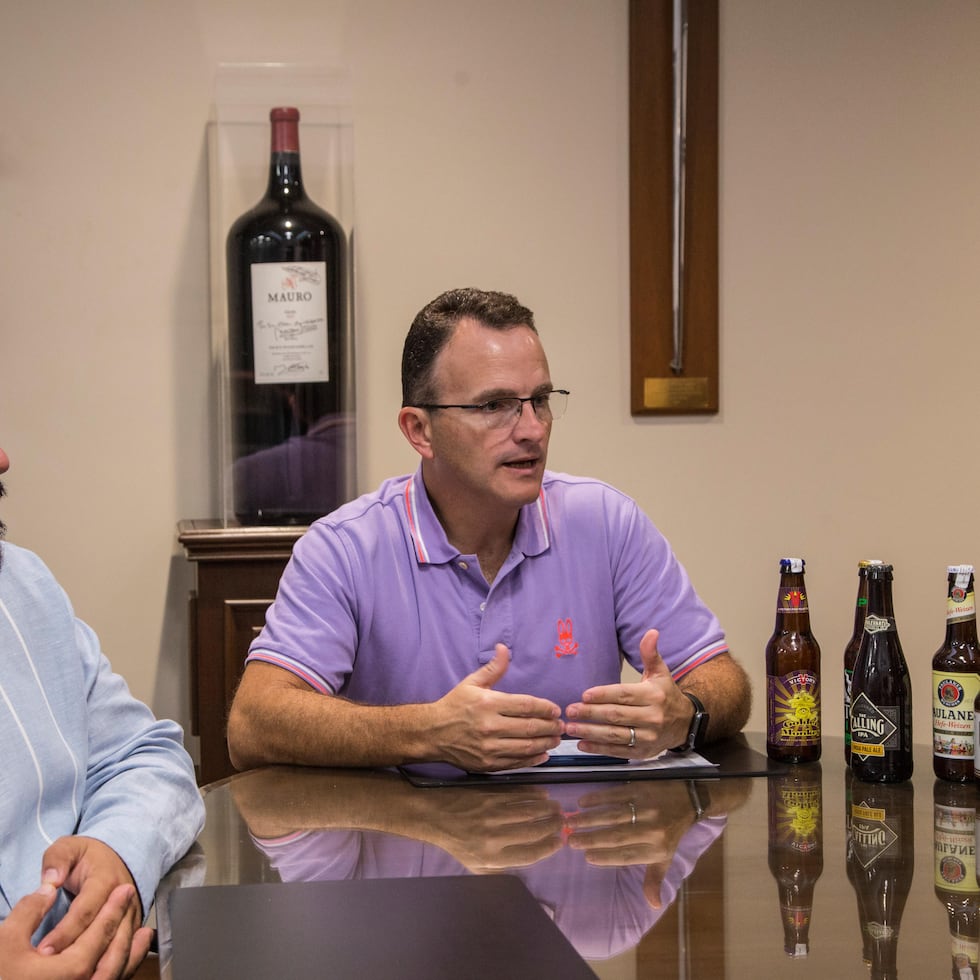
(602, 856)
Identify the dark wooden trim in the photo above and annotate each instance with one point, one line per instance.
(696, 390)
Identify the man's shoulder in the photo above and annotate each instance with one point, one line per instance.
(20, 566)
(582, 489)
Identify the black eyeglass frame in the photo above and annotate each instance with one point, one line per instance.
(485, 408)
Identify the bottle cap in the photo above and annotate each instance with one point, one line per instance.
(866, 562)
(792, 564)
(882, 571)
(959, 569)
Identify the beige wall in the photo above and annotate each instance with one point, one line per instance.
(491, 149)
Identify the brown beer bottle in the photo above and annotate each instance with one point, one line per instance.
(881, 691)
(796, 849)
(956, 680)
(853, 645)
(881, 864)
(954, 842)
(792, 673)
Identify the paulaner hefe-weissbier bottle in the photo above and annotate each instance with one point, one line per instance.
(881, 691)
(956, 680)
(853, 645)
(289, 349)
(792, 673)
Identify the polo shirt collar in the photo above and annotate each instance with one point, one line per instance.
(429, 539)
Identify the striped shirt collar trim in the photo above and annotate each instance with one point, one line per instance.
(533, 531)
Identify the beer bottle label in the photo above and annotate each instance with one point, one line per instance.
(953, 695)
(874, 728)
(792, 601)
(954, 842)
(794, 708)
(872, 834)
(960, 605)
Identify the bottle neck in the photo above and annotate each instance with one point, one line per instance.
(285, 175)
(861, 606)
(792, 605)
(961, 614)
(880, 598)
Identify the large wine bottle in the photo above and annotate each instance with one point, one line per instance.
(291, 418)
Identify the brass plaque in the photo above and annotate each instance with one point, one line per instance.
(676, 393)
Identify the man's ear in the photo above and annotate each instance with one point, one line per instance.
(416, 426)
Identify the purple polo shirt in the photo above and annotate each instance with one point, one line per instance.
(377, 605)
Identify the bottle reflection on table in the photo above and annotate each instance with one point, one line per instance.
(880, 865)
(796, 849)
(957, 887)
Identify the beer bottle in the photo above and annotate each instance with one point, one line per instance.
(851, 863)
(881, 857)
(881, 691)
(956, 680)
(954, 841)
(792, 673)
(796, 849)
(853, 645)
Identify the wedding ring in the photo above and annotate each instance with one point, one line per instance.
(632, 742)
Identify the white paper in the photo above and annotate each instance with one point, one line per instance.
(666, 760)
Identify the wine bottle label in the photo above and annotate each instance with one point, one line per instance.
(961, 606)
(794, 708)
(953, 695)
(954, 843)
(289, 322)
(874, 728)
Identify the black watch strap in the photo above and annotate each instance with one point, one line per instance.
(698, 731)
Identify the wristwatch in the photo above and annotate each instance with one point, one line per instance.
(698, 732)
(700, 798)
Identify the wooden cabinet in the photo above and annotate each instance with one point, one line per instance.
(237, 574)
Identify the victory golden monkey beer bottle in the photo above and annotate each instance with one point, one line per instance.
(792, 673)
(796, 849)
(956, 681)
(881, 691)
(853, 645)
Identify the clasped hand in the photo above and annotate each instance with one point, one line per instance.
(100, 935)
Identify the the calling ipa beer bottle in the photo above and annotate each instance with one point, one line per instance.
(290, 387)
(954, 842)
(792, 673)
(881, 863)
(796, 850)
(881, 691)
(956, 680)
(853, 645)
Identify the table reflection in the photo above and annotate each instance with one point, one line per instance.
(604, 860)
(809, 872)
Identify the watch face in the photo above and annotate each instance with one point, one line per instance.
(699, 729)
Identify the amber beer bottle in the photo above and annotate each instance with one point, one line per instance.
(793, 673)
(881, 864)
(853, 645)
(796, 849)
(954, 843)
(956, 680)
(881, 691)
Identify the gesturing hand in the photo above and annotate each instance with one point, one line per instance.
(652, 713)
(480, 729)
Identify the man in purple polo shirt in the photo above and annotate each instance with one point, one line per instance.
(479, 610)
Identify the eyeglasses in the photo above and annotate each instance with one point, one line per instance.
(501, 412)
